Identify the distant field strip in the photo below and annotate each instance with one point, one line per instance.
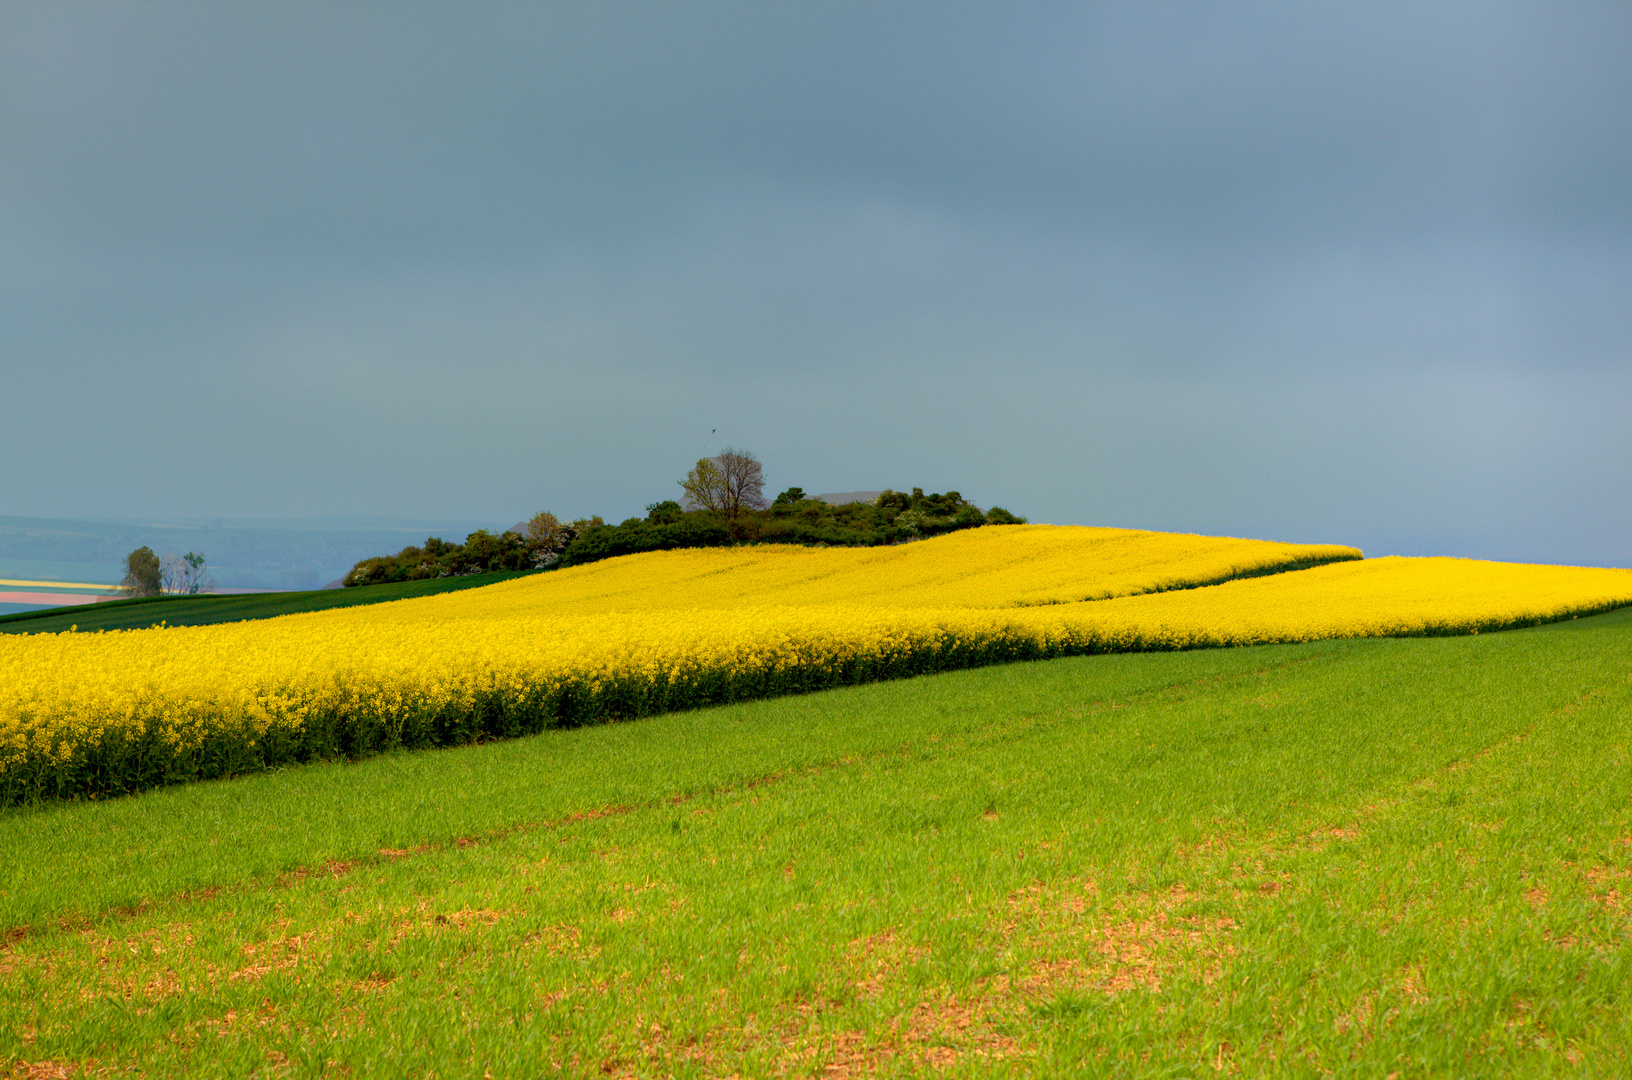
(51, 599)
(53, 585)
(88, 714)
(49, 593)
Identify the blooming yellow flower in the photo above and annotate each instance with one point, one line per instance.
(110, 712)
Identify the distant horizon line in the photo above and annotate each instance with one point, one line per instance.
(356, 521)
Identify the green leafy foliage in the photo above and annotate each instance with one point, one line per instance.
(483, 552)
(666, 512)
(685, 530)
(143, 573)
(892, 517)
(791, 519)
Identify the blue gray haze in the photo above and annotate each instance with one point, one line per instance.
(1355, 273)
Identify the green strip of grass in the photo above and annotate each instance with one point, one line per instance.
(1348, 858)
(236, 607)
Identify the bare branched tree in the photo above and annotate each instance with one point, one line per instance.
(186, 575)
(727, 484)
(744, 481)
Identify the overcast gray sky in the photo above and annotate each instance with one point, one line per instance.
(1357, 273)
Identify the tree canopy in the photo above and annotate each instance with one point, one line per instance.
(723, 503)
(144, 574)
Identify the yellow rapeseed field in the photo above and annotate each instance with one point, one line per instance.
(993, 567)
(112, 712)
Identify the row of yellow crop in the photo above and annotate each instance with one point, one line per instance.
(85, 714)
(992, 567)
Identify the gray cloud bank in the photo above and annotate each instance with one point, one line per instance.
(1311, 272)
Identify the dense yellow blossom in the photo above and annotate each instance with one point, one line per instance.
(992, 567)
(94, 713)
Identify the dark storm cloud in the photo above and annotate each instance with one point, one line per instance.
(1319, 272)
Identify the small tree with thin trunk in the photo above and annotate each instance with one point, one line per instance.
(727, 484)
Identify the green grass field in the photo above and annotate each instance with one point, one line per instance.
(1374, 858)
(234, 607)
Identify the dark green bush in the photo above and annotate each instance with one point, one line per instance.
(482, 552)
(895, 500)
(666, 512)
(793, 518)
(636, 535)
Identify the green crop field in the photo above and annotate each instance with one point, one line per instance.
(229, 607)
(1367, 858)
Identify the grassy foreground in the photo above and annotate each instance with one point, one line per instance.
(1351, 858)
(229, 607)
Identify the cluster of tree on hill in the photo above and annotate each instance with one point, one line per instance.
(146, 574)
(539, 545)
(722, 503)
